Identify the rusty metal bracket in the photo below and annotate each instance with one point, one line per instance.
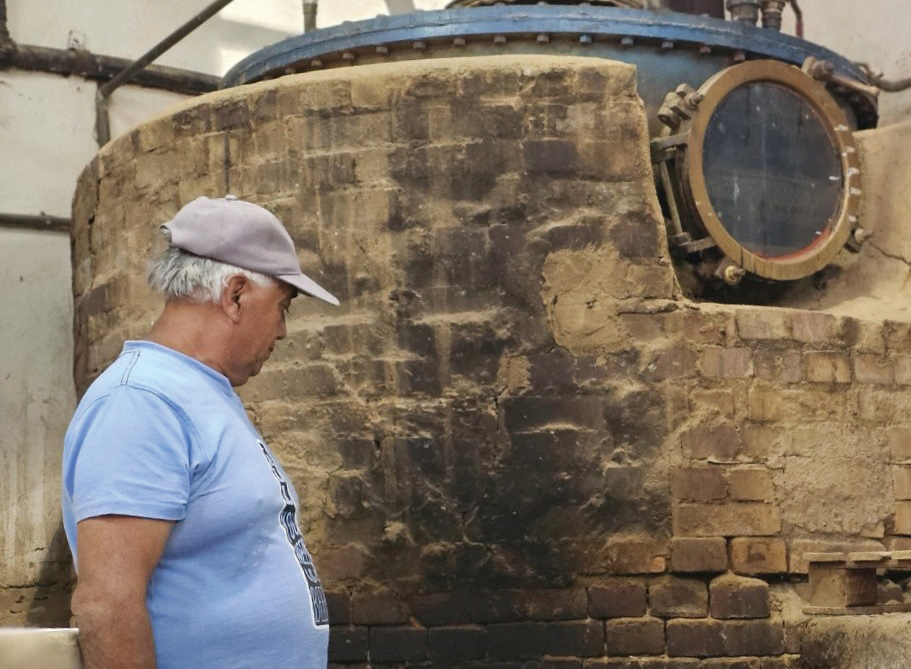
(824, 70)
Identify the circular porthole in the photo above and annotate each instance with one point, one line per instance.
(761, 164)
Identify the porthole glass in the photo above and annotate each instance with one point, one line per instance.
(772, 170)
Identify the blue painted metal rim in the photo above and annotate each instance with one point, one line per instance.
(597, 22)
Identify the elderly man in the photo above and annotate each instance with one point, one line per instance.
(182, 523)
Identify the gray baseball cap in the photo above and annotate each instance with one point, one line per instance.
(242, 234)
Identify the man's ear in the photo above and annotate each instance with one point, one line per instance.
(233, 294)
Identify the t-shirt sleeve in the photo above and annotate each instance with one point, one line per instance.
(132, 458)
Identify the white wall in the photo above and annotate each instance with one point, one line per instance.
(36, 395)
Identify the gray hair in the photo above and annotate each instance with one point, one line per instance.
(179, 275)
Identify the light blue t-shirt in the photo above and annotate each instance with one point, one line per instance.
(161, 435)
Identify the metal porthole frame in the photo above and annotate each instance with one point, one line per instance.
(689, 164)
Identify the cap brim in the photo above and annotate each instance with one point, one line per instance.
(307, 285)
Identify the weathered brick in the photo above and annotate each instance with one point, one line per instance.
(339, 604)
(903, 518)
(727, 363)
(619, 598)
(348, 644)
(441, 608)
(751, 485)
(719, 441)
(828, 367)
(698, 484)
(702, 327)
(863, 336)
(727, 520)
(398, 644)
(753, 637)
(453, 645)
(641, 636)
(765, 323)
(551, 156)
(716, 401)
(814, 327)
(783, 662)
(517, 640)
(672, 363)
(872, 369)
(768, 404)
(673, 597)
(694, 638)
(739, 597)
(786, 366)
(901, 367)
(897, 336)
(694, 555)
(901, 482)
(556, 604)
(635, 556)
(753, 555)
(378, 609)
(899, 438)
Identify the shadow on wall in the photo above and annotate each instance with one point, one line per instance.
(50, 606)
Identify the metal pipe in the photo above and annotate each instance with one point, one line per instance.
(744, 11)
(102, 122)
(163, 46)
(81, 63)
(310, 7)
(42, 222)
(798, 15)
(4, 31)
(771, 14)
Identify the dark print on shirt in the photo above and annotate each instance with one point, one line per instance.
(288, 519)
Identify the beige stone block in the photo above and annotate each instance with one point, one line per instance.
(751, 555)
(786, 366)
(727, 520)
(728, 363)
(772, 404)
(901, 364)
(901, 482)
(872, 369)
(719, 441)
(698, 484)
(765, 323)
(714, 401)
(899, 439)
(751, 485)
(903, 518)
(635, 556)
(812, 327)
(828, 368)
(699, 554)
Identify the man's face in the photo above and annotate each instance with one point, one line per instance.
(261, 324)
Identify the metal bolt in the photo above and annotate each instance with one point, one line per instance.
(382, 50)
(499, 39)
(667, 45)
(542, 39)
(733, 274)
(626, 41)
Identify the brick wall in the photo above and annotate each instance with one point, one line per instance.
(514, 440)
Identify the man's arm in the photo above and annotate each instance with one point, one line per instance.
(117, 555)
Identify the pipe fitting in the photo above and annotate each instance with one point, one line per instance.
(744, 11)
(771, 14)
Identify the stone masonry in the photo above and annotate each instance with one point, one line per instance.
(516, 443)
